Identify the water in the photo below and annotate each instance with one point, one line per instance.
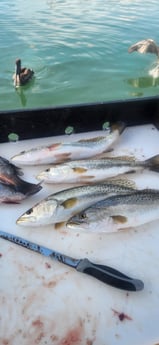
(78, 50)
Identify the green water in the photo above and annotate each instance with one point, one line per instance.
(78, 50)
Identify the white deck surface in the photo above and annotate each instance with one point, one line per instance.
(44, 302)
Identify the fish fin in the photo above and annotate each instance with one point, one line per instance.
(88, 177)
(120, 126)
(11, 202)
(153, 163)
(119, 219)
(53, 146)
(130, 172)
(58, 226)
(27, 188)
(91, 140)
(69, 203)
(79, 170)
(102, 155)
(122, 182)
(61, 157)
(126, 158)
(6, 180)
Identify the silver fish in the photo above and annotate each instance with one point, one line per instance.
(94, 170)
(60, 206)
(63, 151)
(118, 212)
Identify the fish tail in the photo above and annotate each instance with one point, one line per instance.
(153, 163)
(28, 188)
(120, 126)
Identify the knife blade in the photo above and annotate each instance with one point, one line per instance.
(103, 273)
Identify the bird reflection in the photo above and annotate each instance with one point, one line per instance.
(21, 92)
(22, 96)
(143, 82)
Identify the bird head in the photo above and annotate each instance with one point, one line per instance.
(18, 66)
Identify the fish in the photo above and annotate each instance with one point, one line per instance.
(10, 193)
(95, 170)
(66, 151)
(60, 206)
(118, 212)
(9, 173)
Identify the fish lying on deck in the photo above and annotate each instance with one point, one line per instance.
(12, 187)
(16, 193)
(118, 212)
(60, 206)
(63, 151)
(147, 46)
(22, 75)
(84, 171)
(9, 173)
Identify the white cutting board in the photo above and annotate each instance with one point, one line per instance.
(44, 302)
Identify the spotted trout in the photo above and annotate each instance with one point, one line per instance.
(60, 206)
(95, 170)
(118, 212)
(65, 151)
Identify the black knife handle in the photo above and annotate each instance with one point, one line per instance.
(110, 276)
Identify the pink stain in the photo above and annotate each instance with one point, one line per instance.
(74, 336)
(37, 323)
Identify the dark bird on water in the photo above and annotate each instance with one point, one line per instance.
(22, 75)
(147, 46)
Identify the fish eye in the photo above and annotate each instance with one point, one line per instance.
(83, 215)
(47, 170)
(29, 211)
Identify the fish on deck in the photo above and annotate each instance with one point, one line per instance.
(118, 212)
(65, 151)
(60, 206)
(12, 187)
(94, 170)
(9, 173)
(15, 194)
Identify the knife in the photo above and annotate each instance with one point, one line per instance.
(103, 273)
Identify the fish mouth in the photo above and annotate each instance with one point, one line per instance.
(23, 220)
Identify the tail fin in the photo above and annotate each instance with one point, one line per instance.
(28, 188)
(120, 126)
(153, 163)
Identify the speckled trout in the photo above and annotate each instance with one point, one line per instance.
(65, 151)
(94, 170)
(118, 212)
(60, 206)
